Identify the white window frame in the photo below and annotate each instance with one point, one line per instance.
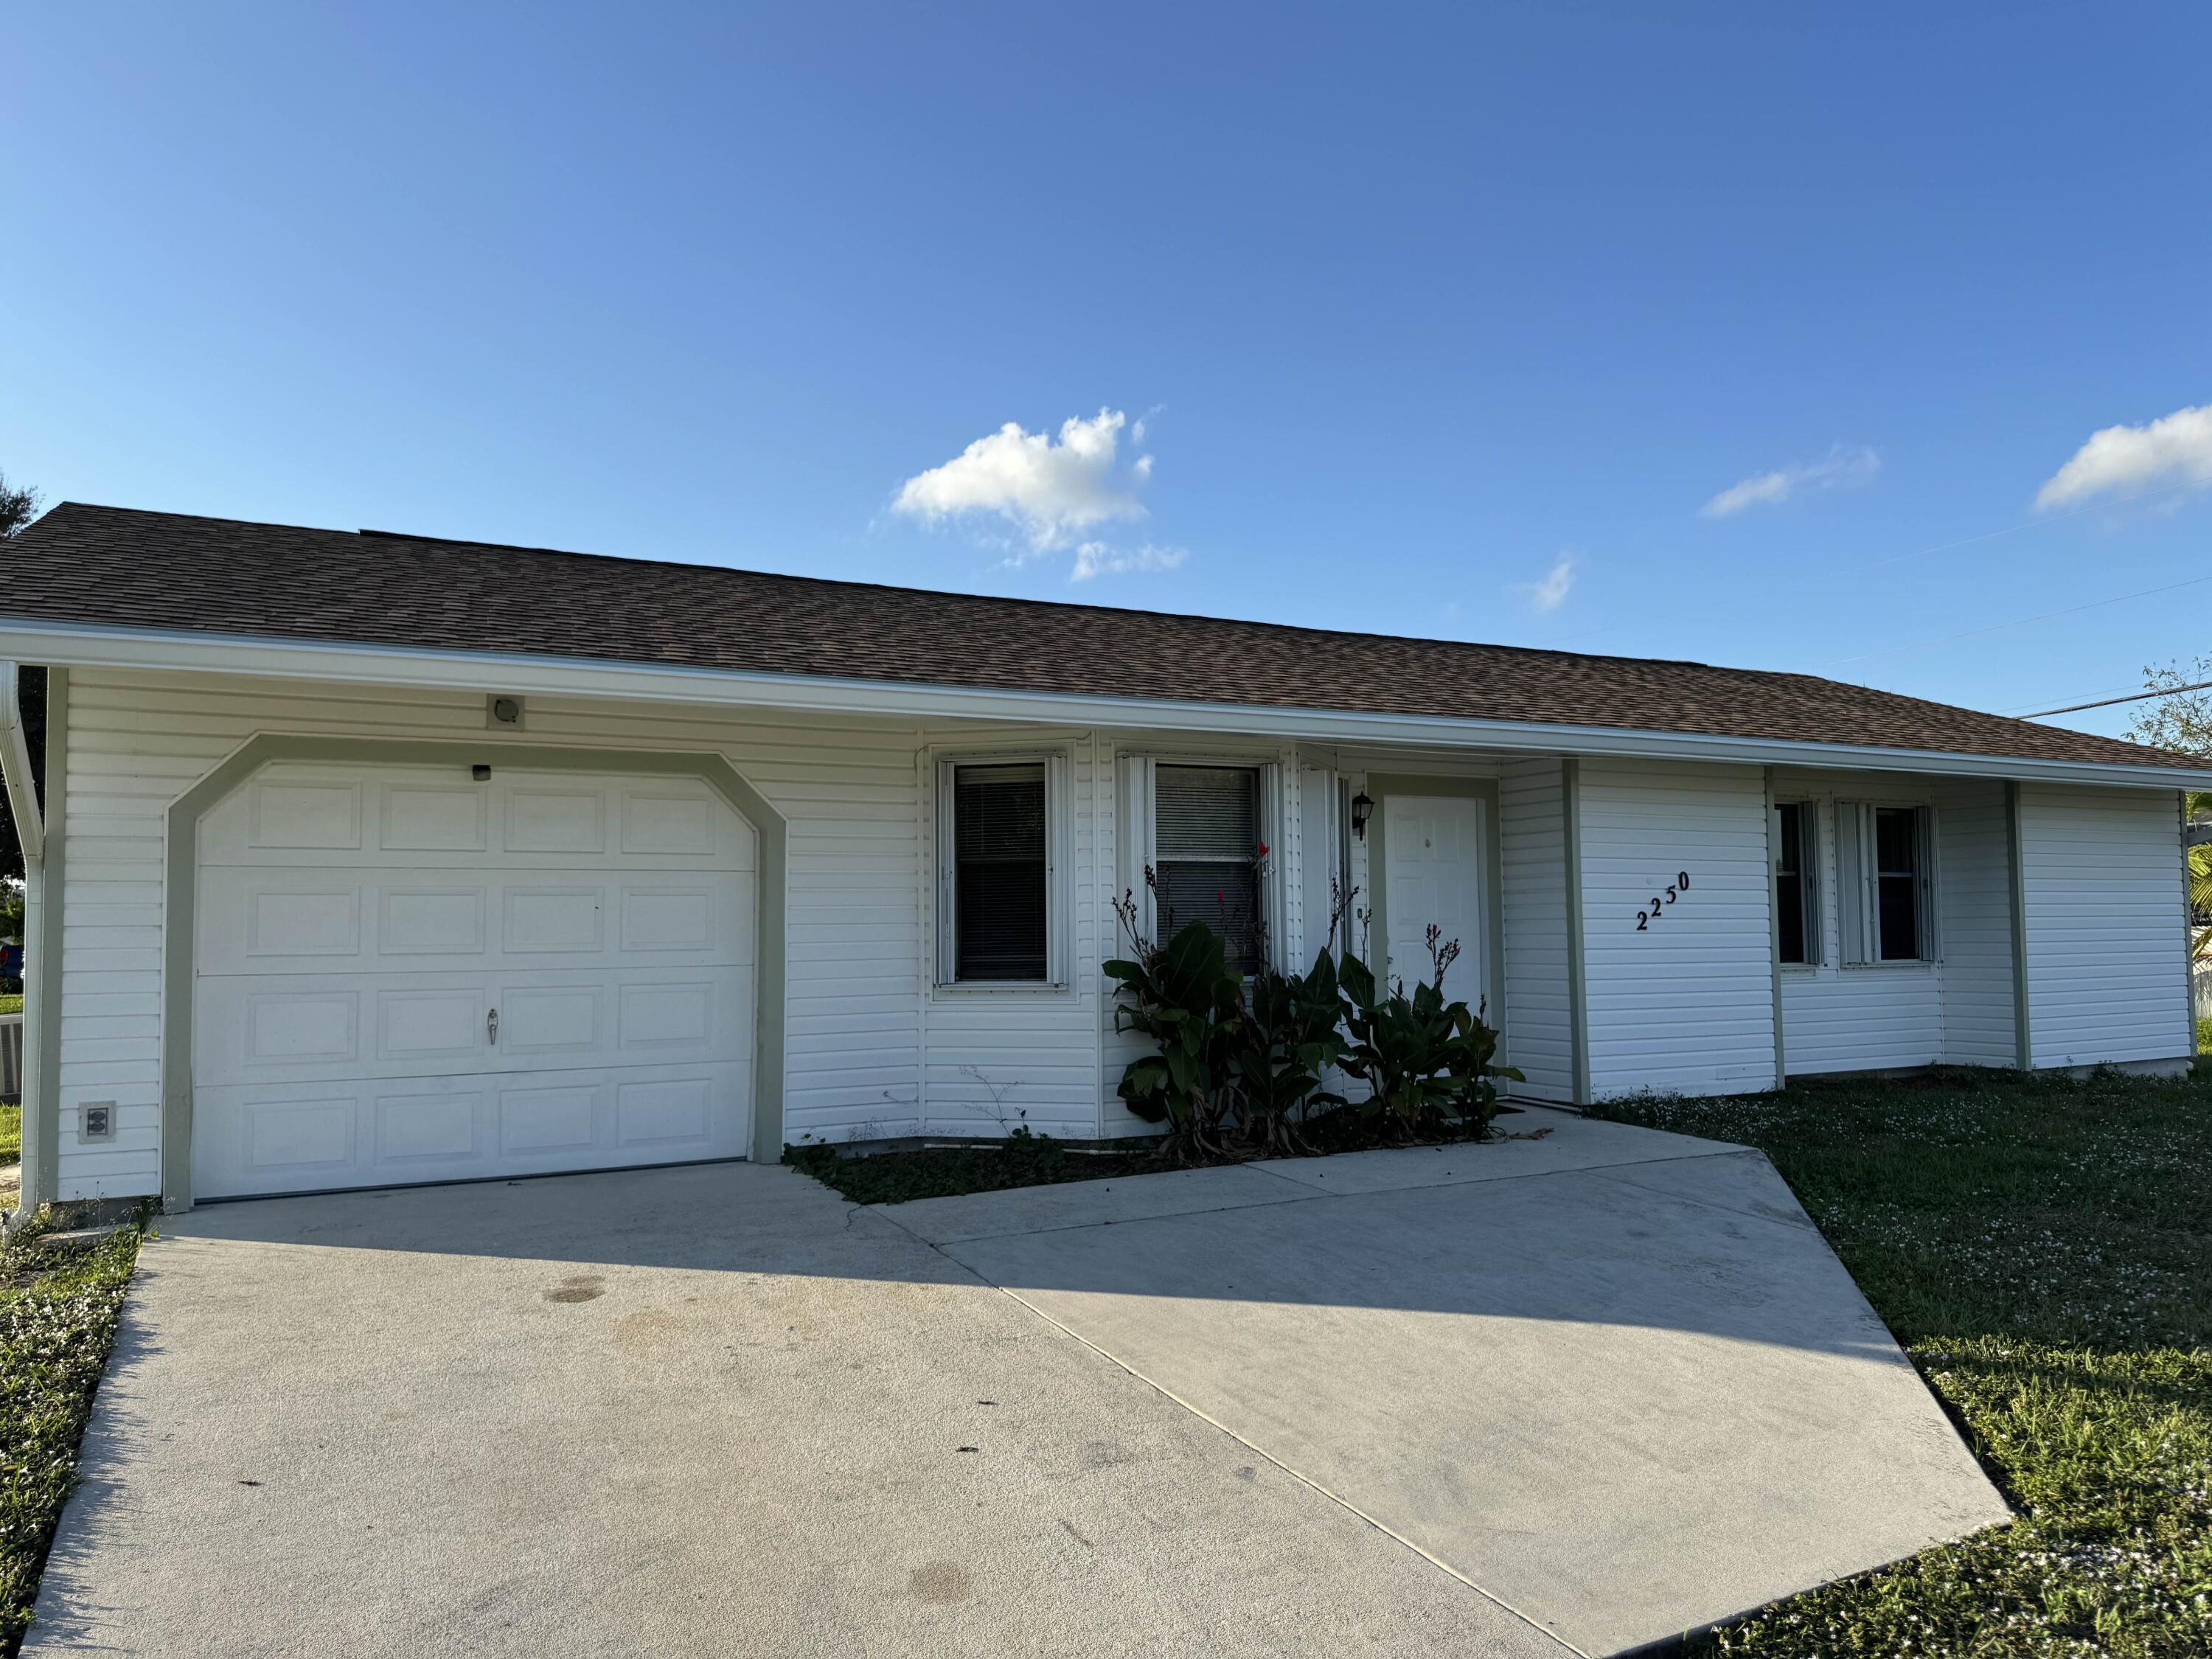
(1810, 880)
(1140, 835)
(1059, 768)
(1858, 885)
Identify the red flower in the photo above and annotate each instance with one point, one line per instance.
(1263, 850)
(1221, 895)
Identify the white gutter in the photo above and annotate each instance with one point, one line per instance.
(31, 834)
(81, 646)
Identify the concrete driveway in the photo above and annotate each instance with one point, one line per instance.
(1566, 1395)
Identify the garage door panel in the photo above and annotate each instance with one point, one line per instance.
(442, 919)
(446, 1027)
(437, 1129)
(301, 815)
(539, 1021)
(550, 817)
(433, 818)
(538, 919)
(313, 922)
(663, 1112)
(288, 1137)
(302, 1028)
(408, 974)
(265, 1029)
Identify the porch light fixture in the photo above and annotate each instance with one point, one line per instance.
(1362, 810)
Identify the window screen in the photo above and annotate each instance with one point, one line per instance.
(1793, 878)
(1206, 838)
(998, 872)
(1897, 877)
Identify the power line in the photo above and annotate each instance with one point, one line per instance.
(2036, 523)
(2017, 621)
(2139, 697)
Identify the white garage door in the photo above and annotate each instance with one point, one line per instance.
(406, 974)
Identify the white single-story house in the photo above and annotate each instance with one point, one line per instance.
(368, 858)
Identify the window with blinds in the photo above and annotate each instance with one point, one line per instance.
(1205, 842)
(1885, 864)
(999, 913)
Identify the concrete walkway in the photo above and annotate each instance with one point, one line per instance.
(1564, 1395)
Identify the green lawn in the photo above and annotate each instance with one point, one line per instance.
(11, 1003)
(2043, 1251)
(58, 1315)
(11, 1135)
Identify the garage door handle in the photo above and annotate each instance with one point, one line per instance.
(491, 1026)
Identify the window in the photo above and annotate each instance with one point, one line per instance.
(1897, 875)
(1885, 859)
(996, 919)
(1205, 840)
(1797, 881)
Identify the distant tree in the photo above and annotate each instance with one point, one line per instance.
(17, 508)
(2183, 720)
(2180, 720)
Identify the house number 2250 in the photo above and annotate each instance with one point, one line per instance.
(1661, 900)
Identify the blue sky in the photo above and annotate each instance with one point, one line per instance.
(1460, 321)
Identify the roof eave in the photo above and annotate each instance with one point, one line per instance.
(76, 645)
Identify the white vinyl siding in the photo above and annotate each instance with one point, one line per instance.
(1539, 1006)
(1685, 1004)
(1974, 871)
(2101, 871)
(1841, 1016)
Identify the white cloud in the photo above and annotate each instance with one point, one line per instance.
(1049, 491)
(2176, 450)
(1097, 559)
(1838, 468)
(1550, 593)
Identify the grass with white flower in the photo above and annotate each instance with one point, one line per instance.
(59, 1308)
(2043, 1248)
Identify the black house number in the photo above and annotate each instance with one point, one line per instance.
(1661, 900)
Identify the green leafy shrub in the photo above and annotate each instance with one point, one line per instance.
(1290, 1035)
(1427, 1062)
(1182, 996)
(1241, 1064)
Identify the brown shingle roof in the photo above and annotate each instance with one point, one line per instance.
(117, 567)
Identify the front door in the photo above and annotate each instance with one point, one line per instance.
(1432, 873)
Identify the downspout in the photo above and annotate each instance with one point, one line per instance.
(30, 834)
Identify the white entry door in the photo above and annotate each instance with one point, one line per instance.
(406, 975)
(1432, 873)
